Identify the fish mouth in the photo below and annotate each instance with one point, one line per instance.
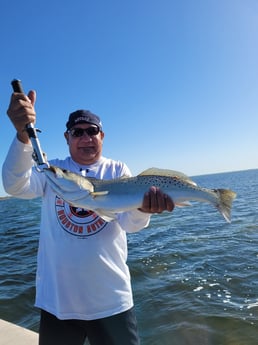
(57, 172)
(51, 168)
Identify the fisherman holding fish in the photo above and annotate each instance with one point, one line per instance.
(83, 286)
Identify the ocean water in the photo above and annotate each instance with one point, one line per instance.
(194, 276)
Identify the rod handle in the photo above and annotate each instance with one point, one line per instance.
(17, 86)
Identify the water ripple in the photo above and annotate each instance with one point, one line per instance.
(194, 276)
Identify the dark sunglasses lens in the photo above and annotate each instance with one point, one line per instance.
(92, 131)
(78, 132)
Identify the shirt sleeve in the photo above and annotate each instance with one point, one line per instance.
(19, 176)
(133, 221)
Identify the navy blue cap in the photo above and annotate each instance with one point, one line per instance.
(83, 116)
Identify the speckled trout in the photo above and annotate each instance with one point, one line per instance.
(107, 198)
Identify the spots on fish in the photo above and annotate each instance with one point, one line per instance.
(161, 181)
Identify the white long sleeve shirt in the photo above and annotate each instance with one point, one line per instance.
(82, 271)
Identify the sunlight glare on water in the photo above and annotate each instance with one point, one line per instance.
(194, 276)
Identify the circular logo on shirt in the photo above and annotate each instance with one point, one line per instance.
(78, 221)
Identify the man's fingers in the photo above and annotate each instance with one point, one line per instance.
(155, 201)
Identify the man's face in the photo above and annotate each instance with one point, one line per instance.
(85, 148)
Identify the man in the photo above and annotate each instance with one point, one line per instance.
(83, 283)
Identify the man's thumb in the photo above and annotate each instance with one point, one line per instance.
(32, 96)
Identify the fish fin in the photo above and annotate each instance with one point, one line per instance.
(183, 204)
(94, 194)
(167, 173)
(225, 199)
(124, 176)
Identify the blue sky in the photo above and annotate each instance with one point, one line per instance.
(174, 81)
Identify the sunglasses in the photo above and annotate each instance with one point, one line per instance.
(78, 132)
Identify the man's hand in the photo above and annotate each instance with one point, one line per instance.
(21, 112)
(155, 201)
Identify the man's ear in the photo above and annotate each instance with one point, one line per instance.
(66, 135)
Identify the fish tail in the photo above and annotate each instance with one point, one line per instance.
(224, 203)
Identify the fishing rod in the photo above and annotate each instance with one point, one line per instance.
(38, 155)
